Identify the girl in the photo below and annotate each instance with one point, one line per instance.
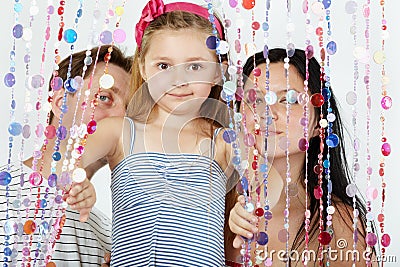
(242, 222)
(168, 183)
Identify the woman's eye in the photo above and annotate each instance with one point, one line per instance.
(162, 66)
(259, 101)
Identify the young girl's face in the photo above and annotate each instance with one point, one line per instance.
(277, 129)
(179, 70)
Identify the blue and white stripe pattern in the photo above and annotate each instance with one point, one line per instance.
(168, 210)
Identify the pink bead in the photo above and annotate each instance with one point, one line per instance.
(80, 149)
(385, 241)
(386, 102)
(50, 132)
(386, 149)
(371, 193)
(318, 192)
(39, 130)
(249, 140)
(35, 178)
(371, 239)
(303, 144)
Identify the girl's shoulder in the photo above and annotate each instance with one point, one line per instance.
(223, 151)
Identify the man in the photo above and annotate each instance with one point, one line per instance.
(80, 244)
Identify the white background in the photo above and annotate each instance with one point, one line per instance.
(341, 62)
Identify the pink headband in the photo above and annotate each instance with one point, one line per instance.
(155, 8)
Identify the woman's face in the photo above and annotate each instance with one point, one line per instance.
(281, 123)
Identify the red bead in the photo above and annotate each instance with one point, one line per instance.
(318, 192)
(255, 25)
(381, 171)
(248, 4)
(91, 127)
(60, 10)
(254, 165)
(324, 238)
(385, 240)
(319, 31)
(317, 100)
(381, 217)
(318, 169)
(257, 72)
(259, 212)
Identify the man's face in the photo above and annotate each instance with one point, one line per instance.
(111, 102)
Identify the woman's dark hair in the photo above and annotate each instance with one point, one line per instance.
(339, 171)
(117, 58)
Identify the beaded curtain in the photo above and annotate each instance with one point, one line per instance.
(341, 64)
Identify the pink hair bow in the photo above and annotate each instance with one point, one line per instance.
(152, 10)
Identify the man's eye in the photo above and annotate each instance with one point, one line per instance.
(104, 99)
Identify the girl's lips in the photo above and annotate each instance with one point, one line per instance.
(179, 95)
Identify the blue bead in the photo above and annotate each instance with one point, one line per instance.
(106, 37)
(265, 51)
(52, 180)
(70, 85)
(9, 79)
(329, 186)
(326, 163)
(61, 132)
(18, 31)
(43, 203)
(262, 238)
(263, 167)
(327, 3)
(229, 136)
(7, 251)
(265, 26)
(245, 183)
(70, 36)
(17, 7)
(332, 140)
(56, 156)
(15, 128)
(236, 160)
(79, 13)
(326, 93)
(211, 42)
(331, 48)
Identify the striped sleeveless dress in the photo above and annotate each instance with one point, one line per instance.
(168, 210)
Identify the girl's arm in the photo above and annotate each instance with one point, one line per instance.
(104, 142)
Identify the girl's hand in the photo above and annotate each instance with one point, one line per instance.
(241, 222)
(82, 197)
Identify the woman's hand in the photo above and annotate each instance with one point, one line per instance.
(241, 222)
(82, 197)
